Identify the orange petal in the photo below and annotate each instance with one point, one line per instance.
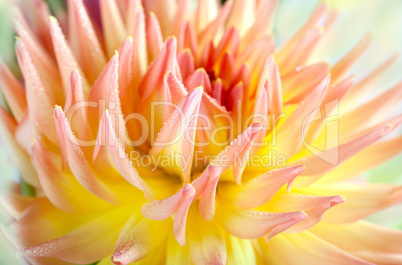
(36, 92)
(13, 91)
(259, 190)
(300, 53)
(297, 85)
(313, 206)
(271, 73)
(113, 25)
(207, 200)
(313, 251)
(140, 55)
(164, 11)
(371, 112)
(16, 154)
(179, 224)
(241, 16)
(356, 93)
(186, 63)
(235, 153)
(45, 64)
(207, 241)
(290, 133)
(75, 246)
(198, 78)
(368, 158)
(77, 162)
(177, 89)
(154, 36)
(345, 64)
(371, 242)
(361, 199)
(63, 190)
(187, 38)
(252, 224)
(148, 235)
(211, 30)
(206, 11)
(177, 136)
(262, 23)
(318, 164)
(116, 152)
(90, 54)
(105, 94)
(65, 58)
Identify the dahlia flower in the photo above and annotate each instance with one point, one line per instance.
(162, 132)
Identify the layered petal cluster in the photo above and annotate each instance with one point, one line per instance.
(163, 132)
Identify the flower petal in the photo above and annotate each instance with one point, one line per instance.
(90, 54)
(13, 92)
(138, 238)
(113, 26)
(259, 190)
(252, 224)
(65, 57)
(36, 92)
(62, 189)
(177, 136)
(304, 246)
(77, 162)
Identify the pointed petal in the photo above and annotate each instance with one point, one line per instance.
(77, 162)
(345, 64)
(13, 91)
(368, 158)
(65, 58)
(36, 92)
(90, 56)
(235, 154)
(207, 241)
(206, 11)
(361, 199)
(207, 200)
(313, 206)
(186, 63)
(371, 242)
(198, 78)
(259, 190)
(241, 16)
(17, 155)
(116, 152)
(140, 54)
(154, 36)
(290, 133)
(271, 73)
(113, 26)
(177, 136)
(371, 112)
(355, 94)
(314, 250)
(76, 245)
(300, 53)
(148, 235)
(252, 224)
(41, 59)
(318, 164)
(63, 190)
(177, 89)
(211, 30)
(297, 85)
(262, 23)
(179, 224)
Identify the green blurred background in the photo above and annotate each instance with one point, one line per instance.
(383, 18)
